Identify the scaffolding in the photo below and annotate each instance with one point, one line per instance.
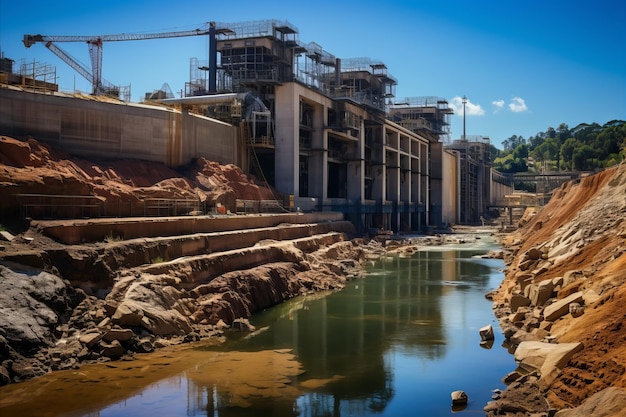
(314, 67)
(279, 29)
(364, 81)
(419, 114)
(198, 84)
(38, 76)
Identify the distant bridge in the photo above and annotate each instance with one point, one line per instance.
(547, 182)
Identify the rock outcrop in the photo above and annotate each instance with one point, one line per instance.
(565, 286)
(52, 325)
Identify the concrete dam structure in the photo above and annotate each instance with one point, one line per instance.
(95, 127)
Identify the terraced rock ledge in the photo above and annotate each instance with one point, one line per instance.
(93, 290)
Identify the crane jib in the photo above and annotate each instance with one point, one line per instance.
(95, 48)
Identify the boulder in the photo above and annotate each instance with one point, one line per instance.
(547, 358)
(90, 339)
(541, 292)
(153, 302)
(561, 307)
(524, 280)
(111, 350)
(527, 264)
(517, 301)
(459, 397)
(127, 314)
(519, 315)
(522, 335)
(32, 305)
(243, 324)
(122, 335)
(486, 333)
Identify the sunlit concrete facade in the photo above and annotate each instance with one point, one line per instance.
(374, 171)
(331, 144)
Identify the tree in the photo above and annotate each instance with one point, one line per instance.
(513, 142)
(583, 158)
(537, 140)
(520, 151)
(511, 162)
(567, 151)
(563, 133)
(547, 151)
(586, 146)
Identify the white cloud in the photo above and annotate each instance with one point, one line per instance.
(471, 109)
(497, 105)
(517, 105)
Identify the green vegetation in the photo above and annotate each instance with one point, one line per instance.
(586, 147)
(158, 260)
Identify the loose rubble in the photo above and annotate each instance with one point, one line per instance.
(562, 301)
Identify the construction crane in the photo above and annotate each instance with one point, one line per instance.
(94, 44)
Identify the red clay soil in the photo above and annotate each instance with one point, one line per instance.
(32, 167)
(590, 217)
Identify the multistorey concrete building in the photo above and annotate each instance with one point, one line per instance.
(328, 133)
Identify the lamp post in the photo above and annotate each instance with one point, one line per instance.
(464, 101)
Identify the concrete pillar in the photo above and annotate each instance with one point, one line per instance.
(287, 133)
(318, 167)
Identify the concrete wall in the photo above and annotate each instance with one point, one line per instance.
(498, 190)
(450, 187)
(90, 128)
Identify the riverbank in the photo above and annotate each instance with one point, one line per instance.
(402, 325)
(56, 322)
(562, 303)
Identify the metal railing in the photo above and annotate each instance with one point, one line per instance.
(60, 206)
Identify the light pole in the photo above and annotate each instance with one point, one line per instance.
(464, 101)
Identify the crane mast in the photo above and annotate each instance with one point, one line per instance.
(94, 44)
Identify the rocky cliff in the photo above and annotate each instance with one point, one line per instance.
(565, 285)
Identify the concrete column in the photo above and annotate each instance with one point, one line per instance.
(356, 168)
(318, 166)
(287, 133)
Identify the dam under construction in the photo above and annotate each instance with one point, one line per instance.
(326, 133)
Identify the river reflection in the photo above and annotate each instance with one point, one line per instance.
(395, 342)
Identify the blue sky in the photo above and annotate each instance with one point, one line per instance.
(524, 66)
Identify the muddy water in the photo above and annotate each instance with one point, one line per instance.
(393, 343)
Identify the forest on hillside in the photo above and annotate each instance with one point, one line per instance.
(586, 147)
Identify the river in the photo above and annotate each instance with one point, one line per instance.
(395, 342)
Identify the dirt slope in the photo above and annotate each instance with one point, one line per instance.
(581, 233)
(32, 167)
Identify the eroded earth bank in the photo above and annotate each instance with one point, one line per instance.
(562, 304)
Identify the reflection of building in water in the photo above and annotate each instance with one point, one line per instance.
(449, 268)
(345, 341)
(399, 309)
